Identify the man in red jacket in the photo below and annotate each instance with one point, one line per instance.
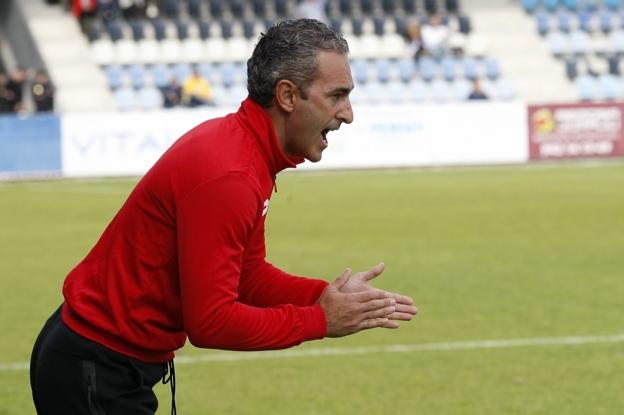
(185, 255)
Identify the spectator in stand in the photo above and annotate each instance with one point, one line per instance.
(132, 9)
(196, 90)
(435, 36)
(4, 103)
(85, 11)
(172, 94)
(312, 9)
(414, 40)
(15, 90)
(43, 92)
(477, 93)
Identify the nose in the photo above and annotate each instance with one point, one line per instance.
(345, 114)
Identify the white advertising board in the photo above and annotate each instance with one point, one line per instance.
(104, 144)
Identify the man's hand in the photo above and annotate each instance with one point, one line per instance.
(348, 313)
(405, 309)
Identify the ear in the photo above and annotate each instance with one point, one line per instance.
(286, 95)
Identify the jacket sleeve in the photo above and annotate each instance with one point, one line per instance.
(264, 285)
(215, 222)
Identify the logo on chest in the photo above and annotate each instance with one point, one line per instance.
(265, 208)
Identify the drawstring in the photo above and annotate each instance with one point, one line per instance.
(170, 369)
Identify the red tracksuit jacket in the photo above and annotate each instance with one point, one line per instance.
(185, 255)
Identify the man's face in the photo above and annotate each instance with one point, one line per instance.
(326, 108)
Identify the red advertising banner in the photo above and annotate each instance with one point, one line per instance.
(563, 131)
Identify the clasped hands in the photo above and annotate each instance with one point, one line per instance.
(351, 304)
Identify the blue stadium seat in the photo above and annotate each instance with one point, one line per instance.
(378, 24)
(226, 29)
(613, 4)
(388, 6)
(543, 22)
(114, 75)
(366, 6)
(407, 67)
(586, 87)
(281, 7)
(249, 28)
(345, 7)
(194, 8)
(137, 76)
(586, 21)
(409, 6)
(608, 86)
(571, 4)
(357, 25)
(138, 29)
(336, 24)
(504, 90)
(125, 99)
(170, 8)
(228, 72)
(417, 91)
(461, 89)
(464, 24)
(400, 24)
(613, 62)
(616, 39)
(216, 8)
(449, 68)
(161, 75)
(396, 92)
(149, 99)
(182, 28)
(451, 6)
(204, 29)
(95, 31)
(375, 92)
(427, 68)
(551, 5)
(206, 70)
(580, 43)
(590, 5)
(606, 21)
(571, 68)
(441, 91)
(259, 8)
(431, 6)
(529, 5)
(564, 21)
(160, 29)
(360, 71)
(114, 30)
(558, 44)
(237, 7)
(383, 69)
(181, 71)
(492, 69)
(471, 71)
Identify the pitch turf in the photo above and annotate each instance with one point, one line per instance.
(488, 253)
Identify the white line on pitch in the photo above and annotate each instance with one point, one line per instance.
(393, 348)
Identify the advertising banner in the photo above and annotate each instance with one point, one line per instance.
(103, 144)
(564, 131)
(29, 146)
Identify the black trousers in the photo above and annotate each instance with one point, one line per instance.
(73, 375)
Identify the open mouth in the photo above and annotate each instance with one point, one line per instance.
(324, 135)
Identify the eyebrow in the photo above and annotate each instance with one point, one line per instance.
(341, 90)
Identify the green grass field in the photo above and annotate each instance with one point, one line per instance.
(488, 254)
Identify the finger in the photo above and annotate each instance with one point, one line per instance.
(391, 325)
(372, 323)
(380, 312)
(342, 279)
(401, 316)
(372, 273)
(377, 304)
(401, 299)
(368, 295)
(408, 309)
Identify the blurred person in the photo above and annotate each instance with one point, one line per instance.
(4, 100)
(196, 90)
(477, 92)
(15, 90)
(312, 9)
(414, 40)
(43, 92)
(435, 36)
(172, 94)
(185, 255)
(85, 11)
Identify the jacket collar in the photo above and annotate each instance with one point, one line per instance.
(258, 122)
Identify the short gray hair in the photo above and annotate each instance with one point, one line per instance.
(289, 50)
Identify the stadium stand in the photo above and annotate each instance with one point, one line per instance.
(137, 49)
(587, 40)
